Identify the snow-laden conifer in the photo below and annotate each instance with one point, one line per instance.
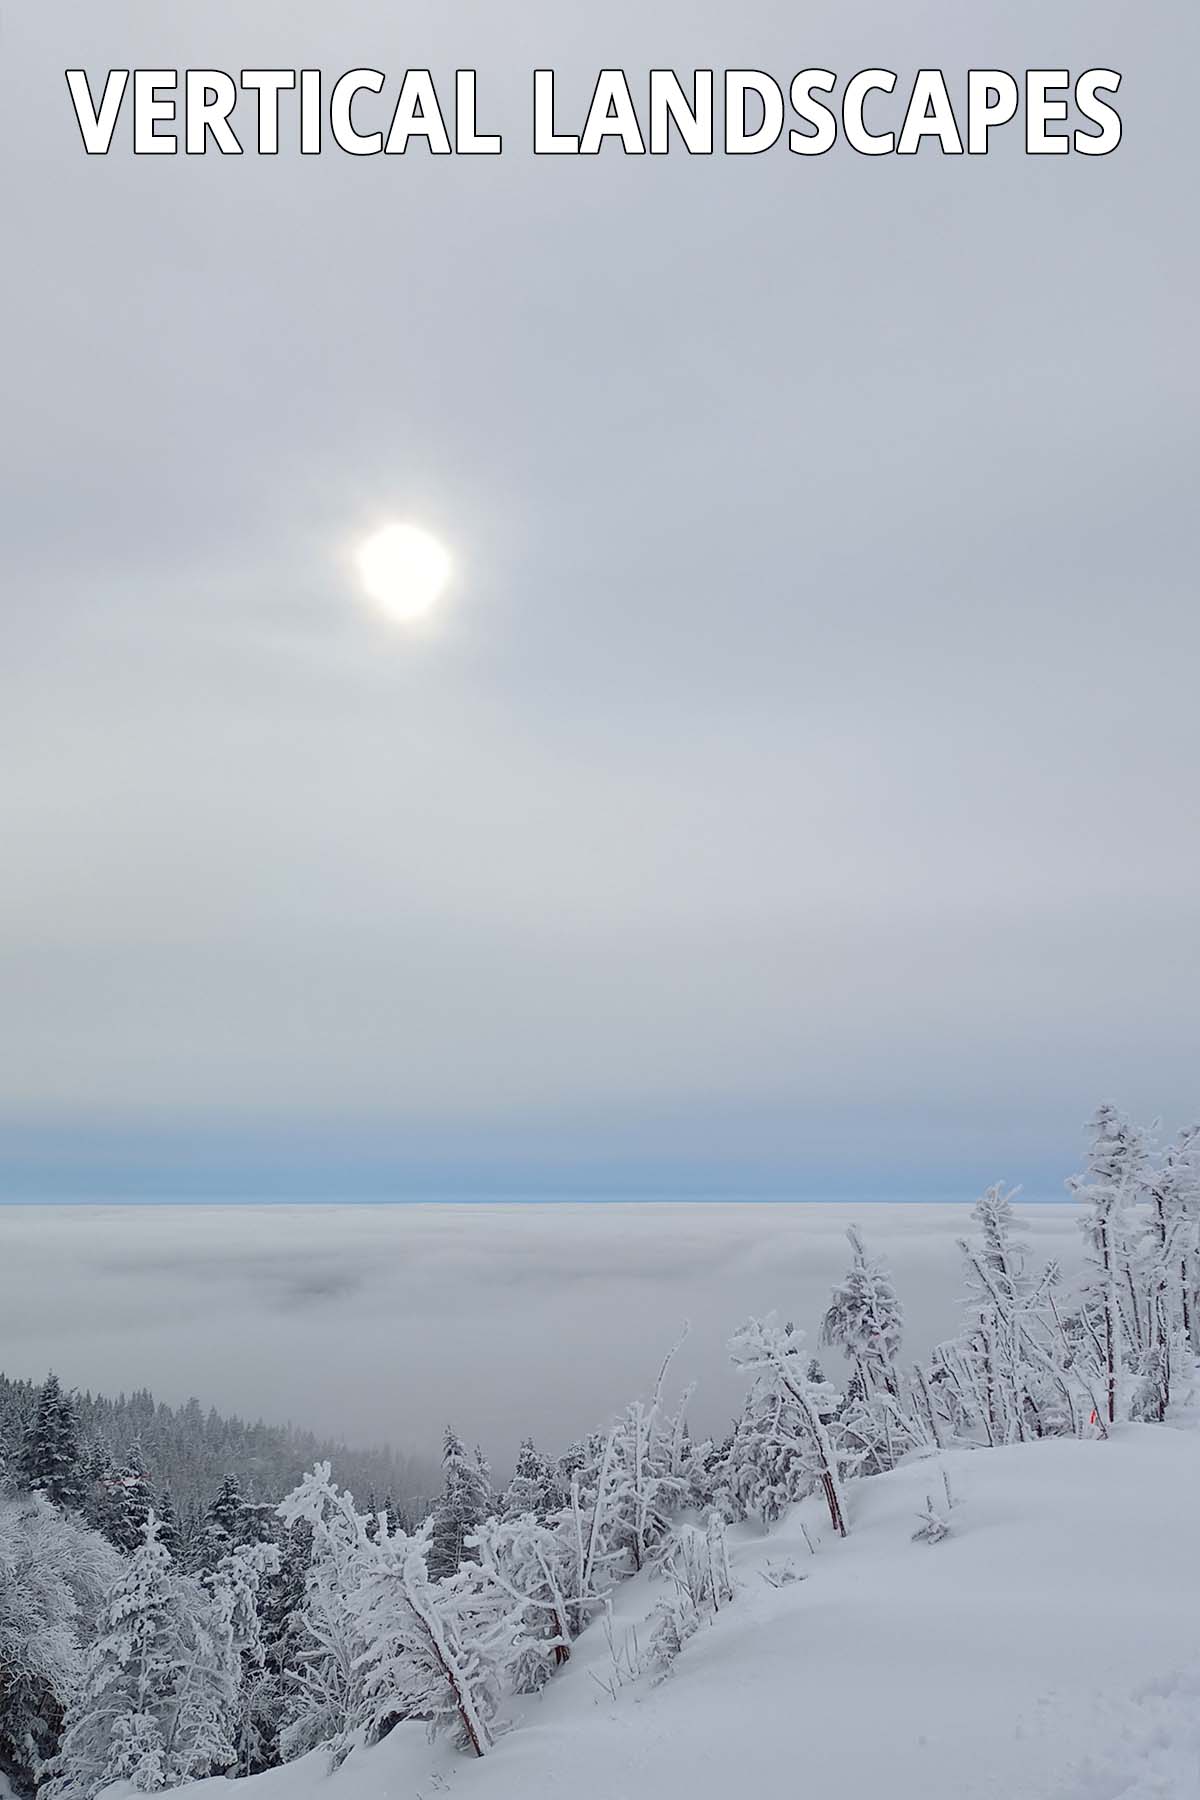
(535, 1487)
(795, 1408)
(159, 1690)
(237, 1586)
(465, 1501)
(326, 1703)
(53, 1576)
(50, 1461)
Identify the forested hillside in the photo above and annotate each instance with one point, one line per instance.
(189, 1450)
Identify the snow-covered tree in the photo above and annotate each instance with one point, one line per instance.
(169, 1534)
(465, 1501)
(50, 1460)
(436, 1650)
(535, 1487)
(119, 1500)
(651, 1481)
(878, 1422)
(1115, 1167)
(53, 1576)
(593, 1524)
(327, 1703)
(864, 1318)
(159, 1688)
(237, 1587)
(535, 1565)
(794, 1410)
(226, 1522)
(1010, 1354)
(1168, 1270)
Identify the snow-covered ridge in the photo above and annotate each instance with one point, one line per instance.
(1003, 1663)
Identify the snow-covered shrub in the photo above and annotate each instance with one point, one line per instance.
(935, 1516)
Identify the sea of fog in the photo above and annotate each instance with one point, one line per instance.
(380, 1323)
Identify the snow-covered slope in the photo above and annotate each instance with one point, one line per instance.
(1060, 1622)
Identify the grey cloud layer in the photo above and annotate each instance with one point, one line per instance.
(380, 1323)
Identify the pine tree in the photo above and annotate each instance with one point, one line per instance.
(464, 1503)
(159, 1688)
(120, 1503)
(535, 1487)
(50, 1460)
(226, 1523)
(169, 1535)
(237, 1587)
(865, 1319)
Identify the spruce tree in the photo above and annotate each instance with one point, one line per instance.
(160, 1688)
(464, 1503)
(50, 1460)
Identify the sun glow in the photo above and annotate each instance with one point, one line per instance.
(404, 570)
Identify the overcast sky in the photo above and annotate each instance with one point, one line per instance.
(797, 791)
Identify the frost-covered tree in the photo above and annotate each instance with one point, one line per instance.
(1115, 1167)
(1010, 1358)
(590, 1527)
(119, 1500)
(53, 1576)
(651, 1480)
(326, 1703)
(763, 1469)
(159, 1688)
(794, 1409)
(864, 1319)
(169, 1535)
(535, 1565)
(226, 1522)
(237, 1588)
(878, 1423)
(50, 1460)
(535, 1487)
(437, 1650)
(1168, 1272)
(465, 1501)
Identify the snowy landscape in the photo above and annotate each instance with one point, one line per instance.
(599, 975)
(945, 1567)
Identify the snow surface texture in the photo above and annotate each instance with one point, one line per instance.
(1047, 1649)
(275, 1312)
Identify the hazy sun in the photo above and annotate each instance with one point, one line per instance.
(404, 571)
